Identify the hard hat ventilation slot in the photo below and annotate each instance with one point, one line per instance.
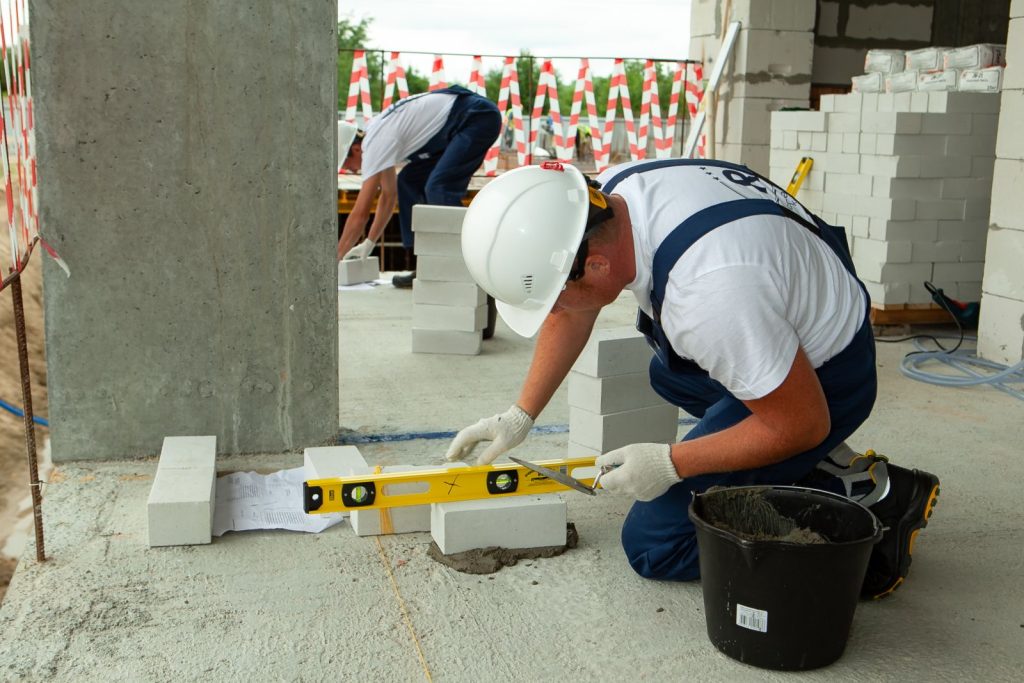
(527, 283)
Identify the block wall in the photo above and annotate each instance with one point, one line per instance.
(909, 175)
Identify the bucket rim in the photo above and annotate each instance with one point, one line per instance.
(698, 521)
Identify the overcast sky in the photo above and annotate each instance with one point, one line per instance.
(556, 28)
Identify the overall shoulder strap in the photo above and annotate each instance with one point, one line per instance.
(701, 223)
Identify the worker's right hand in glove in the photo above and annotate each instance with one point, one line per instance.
(641, 470)
(505, 431)
(360, 251)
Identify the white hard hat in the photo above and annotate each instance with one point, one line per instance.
(346, 134)
(520, 236)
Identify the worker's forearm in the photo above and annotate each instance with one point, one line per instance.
(748, 444)
(561, 338)
(385, 209)
(352, 231)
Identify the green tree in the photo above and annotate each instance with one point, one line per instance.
(354, 35)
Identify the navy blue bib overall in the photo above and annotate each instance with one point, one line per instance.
(657, 536)
(439, 171)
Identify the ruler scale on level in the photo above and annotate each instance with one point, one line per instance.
(370, 491)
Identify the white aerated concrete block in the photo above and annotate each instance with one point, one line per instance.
(398, 520)
(1003, 263)
(180, 507)
(452, 318)
(1001, 330)
(614, 351)
(889, 293)
(356, 271)
(655, 424)
(447, 293)
(438, 244)
(188, 452)
(443, 268)
(333, 461)
(446, 219)
(578, 450)
(447, 342)
(1011, 141)
(515, 522)
(869, 250)
(612, 394)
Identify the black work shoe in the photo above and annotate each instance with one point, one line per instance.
(492, 317)
(403, 280)
(903, 511)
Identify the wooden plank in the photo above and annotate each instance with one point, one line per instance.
(914, 314)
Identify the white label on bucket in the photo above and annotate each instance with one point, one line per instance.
(754, 619)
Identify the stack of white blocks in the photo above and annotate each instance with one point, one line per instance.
(357, 271)
(1001, 330)
(769, 69)
(180, 504)
(513, 522)
(909, 175)
(611, 403)
(449, 311)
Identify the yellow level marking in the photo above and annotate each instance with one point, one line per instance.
(448, 485)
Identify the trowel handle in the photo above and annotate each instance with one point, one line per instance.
(605, 469)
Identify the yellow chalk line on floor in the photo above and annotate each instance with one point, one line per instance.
(405, 613)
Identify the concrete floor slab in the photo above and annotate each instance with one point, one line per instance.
(288, 606)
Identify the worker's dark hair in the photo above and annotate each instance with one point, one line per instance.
(598, 215)
(599, 211)
(358, 139)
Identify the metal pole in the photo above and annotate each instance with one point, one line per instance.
(30, 430)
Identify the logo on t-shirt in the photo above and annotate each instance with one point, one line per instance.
(752, 186)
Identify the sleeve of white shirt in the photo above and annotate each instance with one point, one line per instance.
(732, 322)
(379, 155)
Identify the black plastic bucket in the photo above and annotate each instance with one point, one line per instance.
(781, 568)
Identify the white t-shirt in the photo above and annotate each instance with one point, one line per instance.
(744, 296)
(403, 128)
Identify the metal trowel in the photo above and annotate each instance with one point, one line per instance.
(561, 477)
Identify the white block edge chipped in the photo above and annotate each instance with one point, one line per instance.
(516, 522)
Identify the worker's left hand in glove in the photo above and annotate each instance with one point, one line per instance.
(642, 470)
(360, 251)
(504, 431)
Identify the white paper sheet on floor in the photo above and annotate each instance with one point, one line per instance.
(249, 500)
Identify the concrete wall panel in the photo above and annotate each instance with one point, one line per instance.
(186, 156)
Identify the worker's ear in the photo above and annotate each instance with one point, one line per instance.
(598, 264)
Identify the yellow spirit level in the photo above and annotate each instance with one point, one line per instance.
(370, 491)
(802, 169)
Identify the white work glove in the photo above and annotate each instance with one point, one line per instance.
(504, 431)
(642, 470)
(360, 251)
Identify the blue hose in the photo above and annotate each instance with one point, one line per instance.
(42, 421)
(966, 362)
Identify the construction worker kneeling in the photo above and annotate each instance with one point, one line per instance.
(759, 324)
